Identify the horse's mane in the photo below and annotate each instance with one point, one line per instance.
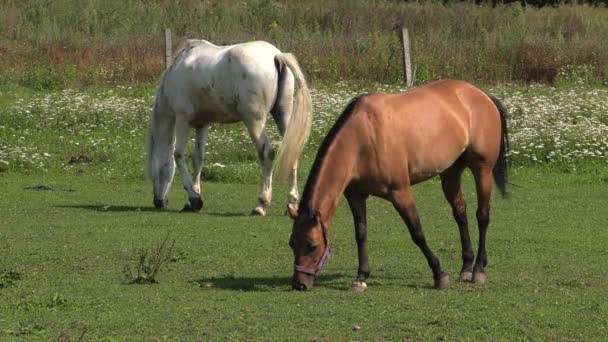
(305, 207)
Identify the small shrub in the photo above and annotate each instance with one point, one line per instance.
(149, 263)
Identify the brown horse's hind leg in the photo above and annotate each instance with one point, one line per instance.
(357, 207)
(452, 189)
(403, 201)
(483, 184)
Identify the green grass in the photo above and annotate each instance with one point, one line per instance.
(63, 254)
(53, 44)
(230, 275)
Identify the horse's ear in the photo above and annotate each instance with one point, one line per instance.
(292, 211)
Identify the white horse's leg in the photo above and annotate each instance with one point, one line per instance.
(198, 157)
(292, 195)
(265, 152)
(182, 130)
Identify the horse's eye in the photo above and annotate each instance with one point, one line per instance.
(310, 247)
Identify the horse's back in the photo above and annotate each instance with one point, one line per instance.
(214, 83)
(484, 121)
(425, 130)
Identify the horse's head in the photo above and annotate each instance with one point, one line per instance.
(310, 244)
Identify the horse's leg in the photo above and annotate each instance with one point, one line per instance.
(292, 195)
(357, 206)
(452, 189)
(265, 152)
(198, 157)
(182, 130)
(483, 184)
(162, 165)
(403, 201)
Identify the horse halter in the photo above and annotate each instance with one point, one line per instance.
(326, 254)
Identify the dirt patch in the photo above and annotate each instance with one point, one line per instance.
(47, 188)
(81, 159)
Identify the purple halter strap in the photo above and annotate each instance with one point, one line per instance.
(326, 254)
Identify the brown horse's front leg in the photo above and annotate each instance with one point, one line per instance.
(403, 201)
(359, 211)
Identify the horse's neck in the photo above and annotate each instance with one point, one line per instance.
(334, 177)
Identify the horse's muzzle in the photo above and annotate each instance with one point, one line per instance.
(302, 281)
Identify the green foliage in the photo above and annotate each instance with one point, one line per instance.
(56, 301)
(42, 76)
(576, 75)
(24, 330)
(8, 278)
(116, 41)
(100, 131)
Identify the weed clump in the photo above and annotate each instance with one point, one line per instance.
(8, 278)
(149, 263)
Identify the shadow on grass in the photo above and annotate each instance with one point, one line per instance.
(115, 208)
(260, 284)
(225, 214)
(127, 208)
(241, 214)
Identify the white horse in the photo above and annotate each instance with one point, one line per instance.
(225, 84)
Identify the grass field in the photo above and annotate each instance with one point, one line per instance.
(69, 258)
(229, 275)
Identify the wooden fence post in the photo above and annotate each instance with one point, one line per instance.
(407, 60)
(168, 48)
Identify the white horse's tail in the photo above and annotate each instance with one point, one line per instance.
(298, 127)
(149, 145)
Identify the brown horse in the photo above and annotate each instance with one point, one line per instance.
(381, 145)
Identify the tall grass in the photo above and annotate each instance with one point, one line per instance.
(50, 44)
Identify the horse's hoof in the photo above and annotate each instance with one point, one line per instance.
(466, 276)
(193, 205)
(479, 278)
(160, 204)
(258, 211)
(196, 203)
(358, 286)
(443, 283)
(292, 210)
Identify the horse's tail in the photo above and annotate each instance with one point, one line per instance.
(149, 145)
(502, 163)
(298, 127)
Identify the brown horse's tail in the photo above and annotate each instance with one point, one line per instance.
(501, 168)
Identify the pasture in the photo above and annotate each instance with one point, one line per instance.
(69, 257)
